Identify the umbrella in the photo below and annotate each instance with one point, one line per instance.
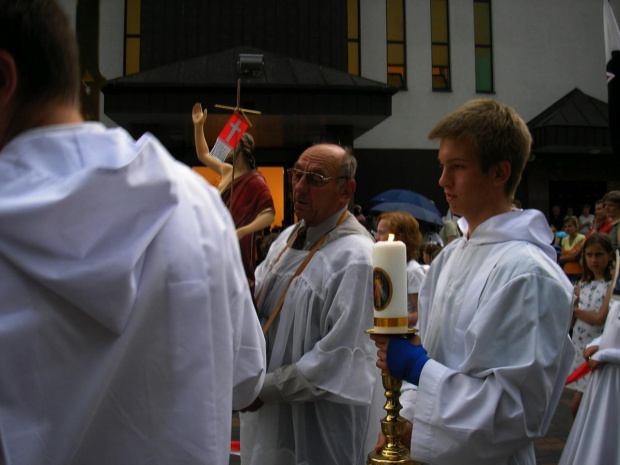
(406, 196)
(416, 211)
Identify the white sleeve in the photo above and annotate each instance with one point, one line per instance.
(249, 353)
(343, 361)
(408, 396)
(415, 276)
(517, 356)
(595, 342)
(287, 384)
(608, 356)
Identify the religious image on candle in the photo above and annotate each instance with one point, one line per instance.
(383, 288)
(390, 286)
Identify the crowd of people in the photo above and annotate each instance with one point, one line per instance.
(587, 246)
(135, 318)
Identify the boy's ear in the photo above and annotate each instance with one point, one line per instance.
(8, 77)
(502, 172)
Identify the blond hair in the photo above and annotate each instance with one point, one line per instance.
(496, 132)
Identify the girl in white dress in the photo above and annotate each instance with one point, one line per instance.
(591, 305)
(593, 439)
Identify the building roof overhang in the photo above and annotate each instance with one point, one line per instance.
(577, 123)
(297, 100)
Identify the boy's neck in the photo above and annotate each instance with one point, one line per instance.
(498, 209)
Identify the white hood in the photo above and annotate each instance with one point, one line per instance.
(527, 225)
(87, 256)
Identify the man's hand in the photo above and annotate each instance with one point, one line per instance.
(199, 116)
(405, 440)
(402, 358)
(382, 341)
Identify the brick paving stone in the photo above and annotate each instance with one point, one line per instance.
(549, 449)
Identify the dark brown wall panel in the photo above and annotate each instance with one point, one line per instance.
(309, 30)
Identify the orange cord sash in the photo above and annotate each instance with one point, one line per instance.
(301, 268)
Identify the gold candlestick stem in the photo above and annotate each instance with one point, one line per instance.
(393, 427)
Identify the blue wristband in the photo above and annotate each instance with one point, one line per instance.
(405, 361)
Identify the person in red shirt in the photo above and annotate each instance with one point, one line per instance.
(602, 223)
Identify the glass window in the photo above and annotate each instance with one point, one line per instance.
(132, 36)
(132, 55)
(484, 46)
(353, 36)
(396, 48)
(440, 45)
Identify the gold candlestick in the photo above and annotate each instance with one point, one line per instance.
(393, 426)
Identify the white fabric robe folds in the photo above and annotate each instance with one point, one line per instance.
(127, 329)
(494, 316)
(320, 332)
(593, 438)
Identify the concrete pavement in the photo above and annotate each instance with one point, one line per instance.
(548, 449)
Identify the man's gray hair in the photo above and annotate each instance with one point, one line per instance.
(348, 166)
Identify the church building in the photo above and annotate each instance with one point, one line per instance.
(372, 74)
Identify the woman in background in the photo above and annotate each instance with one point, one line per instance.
(572, 246)
(406, 229)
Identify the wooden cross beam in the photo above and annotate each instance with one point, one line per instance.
(238, 109)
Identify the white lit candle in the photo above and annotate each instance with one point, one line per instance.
(390, 286)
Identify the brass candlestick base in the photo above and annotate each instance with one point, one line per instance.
(393, 426)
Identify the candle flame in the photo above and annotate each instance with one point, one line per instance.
(390, 237)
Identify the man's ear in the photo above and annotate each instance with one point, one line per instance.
(502, 172)
(8, 77)
(348, 188)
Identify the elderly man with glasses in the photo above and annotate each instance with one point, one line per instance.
(314, 297)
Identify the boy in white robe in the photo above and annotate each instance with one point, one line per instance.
(313, 407)
(128, 332)
(494, 307)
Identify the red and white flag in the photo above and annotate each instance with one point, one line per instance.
(229, 137)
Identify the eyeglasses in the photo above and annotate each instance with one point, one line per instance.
(313, 179)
